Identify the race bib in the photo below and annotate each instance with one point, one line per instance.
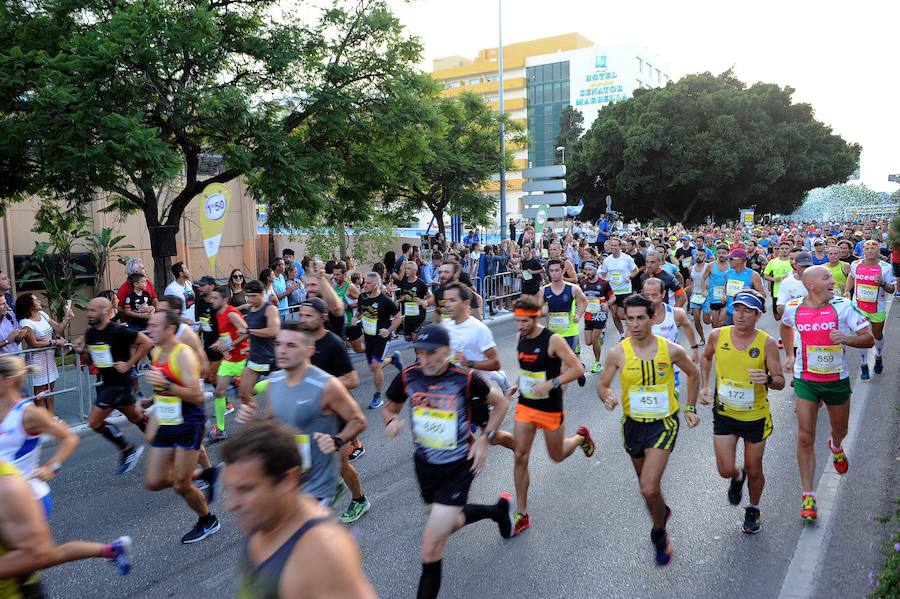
(370, 326)
(527, 381)
(866, 293)
(594, 306)
(168, 410)
(733, 286)
(435, 428)
(824, 359)
(204, 324)
(226, 341)
(620, 284)
(698, 298)
(256, 367)
(558, 321)
(686, 262)
(735, 394)
(649, 401)
(718, 293)
(100, 355)
(526, 275)
(410, 309)
(305, 449)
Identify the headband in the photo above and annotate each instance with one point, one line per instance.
(589, 264)
(527, 313)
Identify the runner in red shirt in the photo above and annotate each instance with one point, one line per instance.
(235, 348)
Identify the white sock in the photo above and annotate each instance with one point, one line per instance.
(864, 357)
(748, 504)
(810, 493)
(879, 345)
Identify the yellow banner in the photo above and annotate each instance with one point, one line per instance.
(213, 208)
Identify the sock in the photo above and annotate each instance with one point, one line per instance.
(207, 519)
(430, 581)
(753, 505)
(108, 552)
(740, 477)
(220, 413)
(864, 357)
(474, 512)
(810, 493)
(656, 534)
(832, 447)
(879, 345)
(114, 436)
(378, 394)
(360, 499)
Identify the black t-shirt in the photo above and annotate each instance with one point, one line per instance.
(478, 393)
(380, 308)
(206, 316)
(410, 292)
(135, 301)
(113, 341)
(531, 287)
(670, 283)
(681, 255)
(331, 355)
(465, 279)
(639, 261)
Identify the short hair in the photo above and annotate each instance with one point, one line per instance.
(373, 275)
(271, 442)
(723, 246)
(637, 300)
(131, 265)
(109, 295)
(340, 265)
(654, 282)
(274, 264)
(653, 254)
(175, 302)
(171, 318)
(177, 269)
(222, 290)
(437, 256)
(287, 252)
(464, 293)
(525, 304)
(404, 247)
(135, 277)
(555, 261)
(253, 286)
(294, 327)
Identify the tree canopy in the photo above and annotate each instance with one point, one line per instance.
(706, 146)
(571, 126)
(126, 99)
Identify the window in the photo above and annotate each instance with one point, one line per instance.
(658, 75)
(451, 84)
(492, 98)
(490, 78)
(474, 81)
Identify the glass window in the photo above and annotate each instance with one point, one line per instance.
(640, 62)
(529, 74)
(565, 70)
(475, 81)
(491, 77)
(565, 91)
(557, 92)
(557, 71)
(539, 94)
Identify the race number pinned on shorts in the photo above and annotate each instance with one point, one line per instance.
(527, 381)
(435, 428)
(410, 309)
(866, 293)
(649, 401)
(305, 449)
(370, 326)
(168, 410)
(735, 394)
(101, 355)
(824, 359)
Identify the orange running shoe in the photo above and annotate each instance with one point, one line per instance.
(522, 522)
(587, 446)
(808, 512)
(841, 463)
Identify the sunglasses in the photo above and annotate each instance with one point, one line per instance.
(237, 276)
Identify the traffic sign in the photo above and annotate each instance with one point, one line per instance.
(552, 212)
(545, 185)
(551, 199)
(544, 172)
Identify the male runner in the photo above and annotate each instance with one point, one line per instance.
(840, 270)
(379, 318)
(620, 270)
(331, 356)
(413, 297)
(443, 401)
(542, 355)
(823, 324)
(555, 252)
(697, 302)
(114, 350)
(449, 272)
(650, 408)
(233, 346)
(598, 294)
(263, 323)
(674, 290)
(208, 327)
(294, 549)
(778, 269)
(870, 278)
(747, 365)
(737, 278)
(532, 273)
(347, 292)
(564, 304)
(714, 287)
(179, 420)
(667, 320)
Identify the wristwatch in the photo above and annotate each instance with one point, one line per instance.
(490, 436)
(555, 382)
(338, 441)
(470, 363)
(768, 378)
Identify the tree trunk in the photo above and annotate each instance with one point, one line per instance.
(439, 217)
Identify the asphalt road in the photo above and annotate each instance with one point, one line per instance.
(590, 530)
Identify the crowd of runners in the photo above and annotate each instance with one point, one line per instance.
(685, 306)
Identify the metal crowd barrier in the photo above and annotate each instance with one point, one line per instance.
(70, 379)
(498, 290)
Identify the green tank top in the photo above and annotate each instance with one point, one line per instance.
(840, 277)
(342, 293)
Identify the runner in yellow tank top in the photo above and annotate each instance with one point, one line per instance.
(747, 365)
(650, 407)
(839, 269)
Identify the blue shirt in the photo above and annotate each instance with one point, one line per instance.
(280, 286)
(430, 273)
(603, 233)
(471, 239)
(300, 271)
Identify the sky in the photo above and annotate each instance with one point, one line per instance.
(843, 58)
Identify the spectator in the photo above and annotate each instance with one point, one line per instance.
(397, 271)
(39, 330)
(430, 270)
(389, 262)
(10, 333)
(182, 288)
(472, 238)
(131, 267)
(287, 254)
(281, 286)
(512, 227)
(138, 306)
(348, 262)
(267, 278)
(604, 228)
(236, 283)
(6, 288)
(296, 296)
(110, 295)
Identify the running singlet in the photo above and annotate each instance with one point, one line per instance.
(734, 282)
(775, 268)
(262, 349)
(668, 328)
(715, 284)
(597, 293)
(25, 586)
(561, 310)
(839, 276)
(536, 366)
(170, 409)
(341, 291)
(648, 386)
(818, 358)
(20, 449)
(736, 395)
(229, 331)
(867, 294)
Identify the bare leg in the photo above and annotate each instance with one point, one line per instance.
(806, 436)
(524, 440)
(559, 446)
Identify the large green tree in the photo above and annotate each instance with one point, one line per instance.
(706, 146)
(126, 99)
(571, 127)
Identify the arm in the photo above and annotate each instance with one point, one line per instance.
(140, 348)
(132, 314)
(558, 348)
(570, 274)
(32, 342)
(850, 286)
(680, 358)
(680, 296)
(241, 325)
(349, 380)
(706, 361)
(757, 283)
(38, 421)
(336, 398)
(26, 534)
(687, 326)
(191, 339)
(773, 368)
(614, 360)
(491, 361)
(581, 302)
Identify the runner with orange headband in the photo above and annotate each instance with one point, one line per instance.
(542, 355)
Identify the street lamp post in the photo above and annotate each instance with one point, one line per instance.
(502, 126)
(563, 150)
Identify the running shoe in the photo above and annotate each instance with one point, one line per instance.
(356, 452)
(229, 408)
(129, 459)
(339, 491)
(668, 514)
(808, 512)
(879, 366)
(121, 557)
(522, 521)
(215, 435)
(376, 402)
(841, 463)
(780, 344)
(597, 368)
(587, 446)
(660, 540)
(355, 511)
(751, 520)
(864, 372)
(507, 522)
(581, 381)
(201, 531)
(736, 488)
(396, 361)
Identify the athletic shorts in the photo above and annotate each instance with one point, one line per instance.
(375, 348)
(231, 369)
(833, 393)
(752, 431)
(594, 325)
(694, 306)
(354, 332)
(638, 436)
(549, 421)
(447, 484)
(620, 299)
(875, 317)
(262, 367)
(412, 324)
(572, 341)
(181, 436)
(213, 355)
(716, 305)
(111, 397)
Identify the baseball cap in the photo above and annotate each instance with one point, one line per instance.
(686, 238)
(207, 280)
(803, 259)
(751, 300)
(432, 337)
(738, 253)
(316, 303)
(818, 241)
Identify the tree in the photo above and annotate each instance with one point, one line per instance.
(462, 154)
(125, 99)
(706, 146)
(571, 126)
